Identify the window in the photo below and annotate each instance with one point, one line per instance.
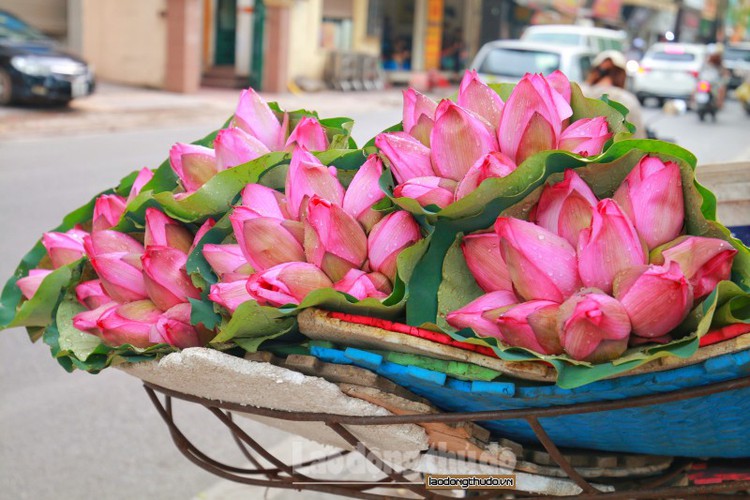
(516, 63)
(673, 56)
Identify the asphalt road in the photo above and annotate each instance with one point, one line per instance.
(72, 436)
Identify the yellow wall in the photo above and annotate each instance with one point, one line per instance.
(306, 58)
(126, 41)
(363, 43)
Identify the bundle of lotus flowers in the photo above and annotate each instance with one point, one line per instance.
(520, 217)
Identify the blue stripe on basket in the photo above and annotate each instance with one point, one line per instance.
(717, 425)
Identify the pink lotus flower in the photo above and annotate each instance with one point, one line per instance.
(418, 115)
(91, 294)
(144, 177)
(121, 275)
(86, 321)
(64, 248)
(108, 210)
(230, 295)
(541, 264)
(129, 323)
(334, 240)
(593, 327)
(364, 192)
(388, 238)
(409, 158)
(362, 285)
(266, 241)
(491, 165)
(478, 98)
(307, 177)
(609, 246)
(287, 283)
(516, 327)
(704, 261)
(264, 201)
(485, 261)
(651, 195)
(194, 165)
(566, 208)
(586, 136)
(559, 82)
(657, 298)
(481, 314)
(165, 277)
(227, 261)
(532, 119)
(255, 117)
(458, 140)
(427, 191)
(30, 284)
(201, 232)
(173, 327)
(309, 134)
(109, 241)
(164, 231)
(233, 146)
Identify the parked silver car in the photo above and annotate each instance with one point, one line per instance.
(669, 71)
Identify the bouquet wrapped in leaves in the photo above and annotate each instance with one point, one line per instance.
(519, 217)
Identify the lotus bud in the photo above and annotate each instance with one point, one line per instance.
(264, 201)
(86, 321)
(255, 117)
(566, 208)
(108, 209)
(334, 240)
(108, 241)
(201, 232)
(287, 283)
(166, 280)
(409, 158)
(593, 327)
(121, 275)
(651, 195)
(144, 177)
(585, 137)
(308, 177)
(458, 140)
(478, 98)
(388, 238)
(418, 115)
(174, 328)
(704, 261)
(265, 241)
(609, 246)
(230, 295)
(91, 294)
(64, 248)
(491, 165)
(364, 192)
(481, 314)
(164, 231)
(427, 191)
(517, 330)
(129, 324)
(532, 119)
(30, 284)
(541, 264)
(309, 134)
(194, 165)
(485, 261)
(234, 147)
(657, 298)
(226, 261)
(560, 83)
(362, 285)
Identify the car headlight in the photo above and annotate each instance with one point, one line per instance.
(45, 66)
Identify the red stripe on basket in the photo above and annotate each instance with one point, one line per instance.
(438, 337)
(726, 333)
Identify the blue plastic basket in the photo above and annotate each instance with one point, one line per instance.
(716, 425)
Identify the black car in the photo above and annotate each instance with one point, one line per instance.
(33, 67)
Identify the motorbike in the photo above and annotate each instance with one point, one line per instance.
(705, 101)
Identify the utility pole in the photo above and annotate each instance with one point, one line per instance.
(680, 4)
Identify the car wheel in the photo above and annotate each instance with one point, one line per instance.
(6, 88)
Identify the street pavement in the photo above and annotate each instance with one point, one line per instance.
(76, 436)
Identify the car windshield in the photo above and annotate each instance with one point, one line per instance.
(673, 56)
(18, 32)
(733, 54)
(556, 38)
(516, 63)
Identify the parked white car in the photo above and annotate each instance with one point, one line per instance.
(596, 39)
(669, 71)
(509, 60)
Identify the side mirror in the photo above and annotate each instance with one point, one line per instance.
(675, 107)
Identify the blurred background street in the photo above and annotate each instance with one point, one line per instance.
(156, 72)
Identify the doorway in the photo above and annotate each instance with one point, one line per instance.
(226, 32)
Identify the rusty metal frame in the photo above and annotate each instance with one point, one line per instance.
(281, 475)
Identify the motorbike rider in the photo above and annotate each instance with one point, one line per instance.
(713, 72)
